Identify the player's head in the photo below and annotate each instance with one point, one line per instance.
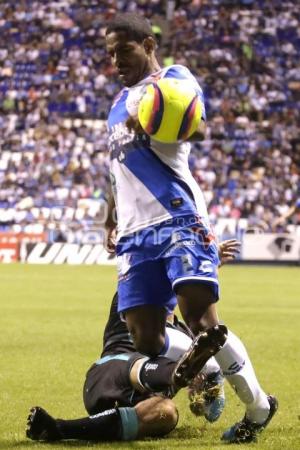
(131, 44)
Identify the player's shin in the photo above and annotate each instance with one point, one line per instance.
(152, 374)
(238, 370)
(112, 424)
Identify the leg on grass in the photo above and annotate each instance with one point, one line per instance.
(155, 416)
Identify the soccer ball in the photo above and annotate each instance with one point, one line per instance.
(170, 110)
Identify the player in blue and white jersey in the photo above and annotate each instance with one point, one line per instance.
(163, 233)
(164, 241)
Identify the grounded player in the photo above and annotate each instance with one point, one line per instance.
(117, 411)
(164, 240)
(119, 391)
(118, 387)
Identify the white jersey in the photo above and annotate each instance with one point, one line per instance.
(151, 181)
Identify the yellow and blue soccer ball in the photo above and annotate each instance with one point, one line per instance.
(170, 110)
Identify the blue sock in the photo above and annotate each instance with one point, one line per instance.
(130, 424)
(104, 426)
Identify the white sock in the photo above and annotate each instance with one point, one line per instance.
(211, 366)
(237, 369)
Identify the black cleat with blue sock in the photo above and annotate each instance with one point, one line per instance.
(246, 431)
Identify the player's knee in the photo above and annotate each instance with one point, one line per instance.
(157, 416)
(148, 343)
(151, 347)
(197, 306)
(147, 327)
(201, 325)
(200, 322)
(196, 327)
(168, 416)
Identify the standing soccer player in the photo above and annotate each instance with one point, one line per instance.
(164, 240)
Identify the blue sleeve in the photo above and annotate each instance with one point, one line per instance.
(183, 73)
(297, 204)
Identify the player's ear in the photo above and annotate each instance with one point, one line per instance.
(149, 45)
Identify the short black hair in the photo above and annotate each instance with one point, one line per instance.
(136, 27)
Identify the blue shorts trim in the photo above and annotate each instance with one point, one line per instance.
(194, 278)
(120, 357)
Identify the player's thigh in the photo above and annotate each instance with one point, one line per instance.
(145, 284)
(146, 324)
(107, 384)
(145, 299)
(157, 416)
(197, 306)
(193, 274)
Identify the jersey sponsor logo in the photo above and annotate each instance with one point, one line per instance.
(181, 244)
(120, 140)
(119, 135)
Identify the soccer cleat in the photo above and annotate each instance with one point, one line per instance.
(41, 426)
(205, 345)
(247, 431)
(206, 395)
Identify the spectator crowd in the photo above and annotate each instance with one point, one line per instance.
(57, 84)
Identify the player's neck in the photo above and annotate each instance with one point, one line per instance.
(152, 67)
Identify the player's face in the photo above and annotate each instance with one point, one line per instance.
(129, 57)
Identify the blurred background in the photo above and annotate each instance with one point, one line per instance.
(56, 87)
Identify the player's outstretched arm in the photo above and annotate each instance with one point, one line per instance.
(228, 250)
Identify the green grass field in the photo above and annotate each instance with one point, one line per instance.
(51, 323)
